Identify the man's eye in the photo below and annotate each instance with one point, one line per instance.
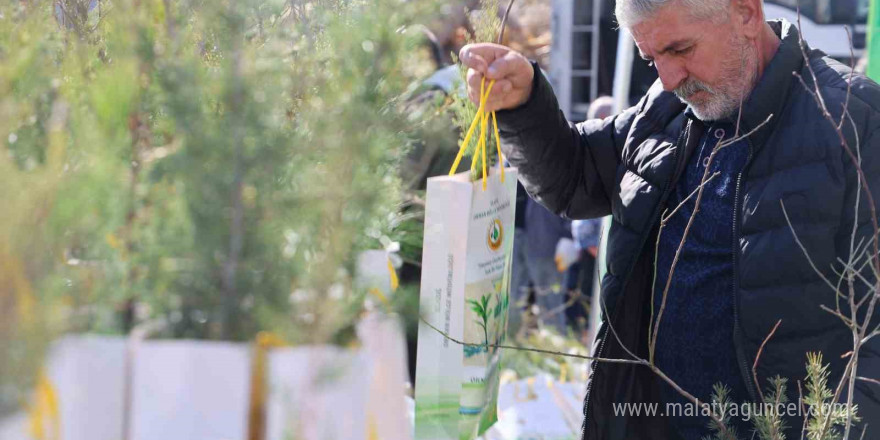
(682, 51)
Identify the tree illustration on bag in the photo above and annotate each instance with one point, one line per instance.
(481, 308)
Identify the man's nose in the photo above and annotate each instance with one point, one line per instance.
(671, 74)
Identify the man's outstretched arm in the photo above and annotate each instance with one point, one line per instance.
(570, 169)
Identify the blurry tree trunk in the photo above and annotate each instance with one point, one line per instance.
(236, 230)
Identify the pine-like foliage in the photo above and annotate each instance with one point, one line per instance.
(487, 25)
(823, 420)
(721, 404)
(768, 422)
(211, 167)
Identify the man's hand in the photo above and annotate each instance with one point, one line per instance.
(512, 72)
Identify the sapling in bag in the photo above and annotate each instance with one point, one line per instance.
(466, 259)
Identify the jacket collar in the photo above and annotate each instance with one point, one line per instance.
(773, 88)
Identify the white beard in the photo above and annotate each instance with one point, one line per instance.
(738, 79)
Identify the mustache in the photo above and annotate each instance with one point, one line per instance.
(691, 86)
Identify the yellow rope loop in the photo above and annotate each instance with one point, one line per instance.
(470, 132)
(45, 422)
(380, 296)
(483, 130)
(481, 119)
(498, 145)
(475, 159)
(395, 282)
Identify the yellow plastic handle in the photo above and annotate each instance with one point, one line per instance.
(481, 119)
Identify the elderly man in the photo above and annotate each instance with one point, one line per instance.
(723, 71)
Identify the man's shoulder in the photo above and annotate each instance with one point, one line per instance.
(658, 113)
(840, 86)
(661, 108)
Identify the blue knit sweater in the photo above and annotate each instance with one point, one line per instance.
(695, 341)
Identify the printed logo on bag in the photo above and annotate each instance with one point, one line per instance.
(496, 235)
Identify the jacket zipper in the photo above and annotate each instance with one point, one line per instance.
(643, 240)
(744, 368)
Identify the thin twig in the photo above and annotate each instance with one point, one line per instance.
(721, 426)
(871, 335)
(859, 158)
(687, 228)
(868, 379)
(533, 350)
(650, 364)
(836, 313)
(826, 425)
(562, 307)
(758, 358)
(852, 70)
(614, 332)
(855, 356)
(858, 334)
(504, 22)
(654, 282)
(666, 217)
(637, 361)
(817, 95)
(848, 268)
(867, 263)
(804, 249)
(803, 409)
(806, 56)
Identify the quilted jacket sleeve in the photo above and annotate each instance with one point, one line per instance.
(569, 168)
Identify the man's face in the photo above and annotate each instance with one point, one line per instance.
(707, 63)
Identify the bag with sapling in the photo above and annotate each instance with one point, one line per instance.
(468, 243)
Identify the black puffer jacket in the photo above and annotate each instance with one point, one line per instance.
(626, 165)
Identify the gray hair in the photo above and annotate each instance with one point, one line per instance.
(632, 12)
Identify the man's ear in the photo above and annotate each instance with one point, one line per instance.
(749, 16)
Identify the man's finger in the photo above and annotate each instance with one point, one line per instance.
(474, 78)
(494, 103)
(497, 95)
(499, 68)
(501, 86)
(479, 56)
(474, 95)
(512, 66)
(473, 60)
